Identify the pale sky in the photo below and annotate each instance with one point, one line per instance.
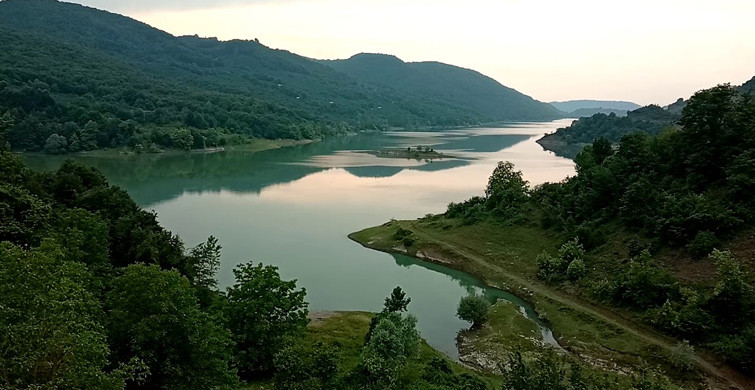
(641, 50)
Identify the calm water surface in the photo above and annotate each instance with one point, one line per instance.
(294, 207)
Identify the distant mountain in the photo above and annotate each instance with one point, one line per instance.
(585, 112)
(570, 106)
(748, 87)
(97, 79)
(454, 86)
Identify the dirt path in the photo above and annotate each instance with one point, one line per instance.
(728, 375)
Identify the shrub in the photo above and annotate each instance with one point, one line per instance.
(682, 357)
(576, 270)
(703, 244)
(473, 308)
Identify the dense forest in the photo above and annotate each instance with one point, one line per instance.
(95, 294)
(567, 141)
(65, 89)
(454, 86)
(644, 202)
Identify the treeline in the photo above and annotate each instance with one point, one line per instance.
(688, 189)
(650, 119)
(133, 85)
(77, 100)
(95, 294)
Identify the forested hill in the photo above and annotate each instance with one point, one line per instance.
(568, 141)
(97, 79)
(748, 87)
(454, 86)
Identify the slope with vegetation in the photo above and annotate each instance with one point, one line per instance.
(585, 108)
(568, 141)
(452, 86)
(66, 88)
(95, 294)
(617, 242)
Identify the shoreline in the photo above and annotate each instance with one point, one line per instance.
(549, 304)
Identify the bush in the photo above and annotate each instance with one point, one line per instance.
(473, 308)
(549, 267)
(703, 244)
(576, 270)
(682, 357)
(303, 366)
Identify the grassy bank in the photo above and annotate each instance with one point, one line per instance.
(346, 330)
(505, 257)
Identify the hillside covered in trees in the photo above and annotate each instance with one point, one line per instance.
(132, 85)
(453, 86)
(659, 226)
(652, 120)
(568, 141)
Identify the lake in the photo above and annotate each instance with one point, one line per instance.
(294, 207)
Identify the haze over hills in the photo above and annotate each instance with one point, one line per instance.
(573, 105)
(85, 65)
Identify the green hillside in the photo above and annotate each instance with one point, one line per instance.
(454, 86)
(101, 80)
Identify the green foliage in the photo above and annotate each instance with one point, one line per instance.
(643, 285)
(306, 366)
(205, 261)
(154, 315)
(703, 244)
(439, 374)
(739, 348)
(132, 85)
(576, 270)
(569, 263)
(682, 356)
(51, 337)
(506, 191)
(393, 341)
(262, 312)
(733, 299)
(397, 302)
(56, 144)
(473, 308)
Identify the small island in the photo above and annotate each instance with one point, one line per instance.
(418, 153)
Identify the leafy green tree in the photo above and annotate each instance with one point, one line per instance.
(506, 191)
(473, 308)
(154, 315)
(304, 366)
(732, 297)
(56, 144)
(394, 341)
(205, 261)
(601, 150)
(576, 270)
(397, 302)
(51, 332)
(262, 312)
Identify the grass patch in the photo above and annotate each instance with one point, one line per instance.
(505, 256)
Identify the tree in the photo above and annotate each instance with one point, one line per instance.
(506, 191)
(262, 312)
(304, 366)
(473, 308)
(154, 315)
(205, 261)
(394, 340)
(398, 301)
(51, 334)
(732, 297)
(56, 144)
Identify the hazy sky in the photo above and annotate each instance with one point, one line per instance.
(640, 50)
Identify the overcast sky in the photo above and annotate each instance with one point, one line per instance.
(640, 50)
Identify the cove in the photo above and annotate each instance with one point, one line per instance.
(294, 207)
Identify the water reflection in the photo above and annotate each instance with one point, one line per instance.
(294, 207)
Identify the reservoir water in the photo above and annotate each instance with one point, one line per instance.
(294, 207)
